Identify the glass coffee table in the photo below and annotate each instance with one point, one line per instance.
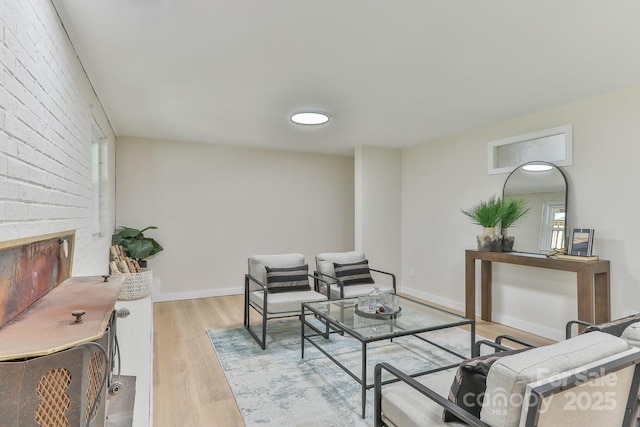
(343, 317)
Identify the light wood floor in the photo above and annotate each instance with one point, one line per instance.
(189, 386)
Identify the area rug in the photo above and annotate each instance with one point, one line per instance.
(275, 387)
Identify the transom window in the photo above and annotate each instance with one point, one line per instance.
(550, 145)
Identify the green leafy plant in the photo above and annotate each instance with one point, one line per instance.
(513, 210)
(135, 243)
(486, 213)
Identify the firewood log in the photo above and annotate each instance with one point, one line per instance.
(113, 267)
(124, 267)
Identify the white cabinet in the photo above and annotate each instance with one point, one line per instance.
(135, 336)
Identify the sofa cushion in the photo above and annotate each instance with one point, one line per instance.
(324, 261)
(508, 377)
(355, 273)
(286, 279)
(470, 382)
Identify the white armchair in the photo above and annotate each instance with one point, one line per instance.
(275, 287)
(349, 275)
(591, 380)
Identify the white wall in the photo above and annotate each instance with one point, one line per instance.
(377, 206)
(440, 179)
(46, 109)
(216, 205)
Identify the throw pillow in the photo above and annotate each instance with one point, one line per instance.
(470, 383)
(632, 336)
(285, 279)
(615, 327)
(355, 273)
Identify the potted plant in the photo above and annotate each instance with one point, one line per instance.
(513, 210)
(487, 214)
(131, 244)
(135, 244)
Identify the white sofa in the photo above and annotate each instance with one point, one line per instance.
(589, 380)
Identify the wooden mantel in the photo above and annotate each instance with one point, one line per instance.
(593, 282)
(38, 297)
(48, 326)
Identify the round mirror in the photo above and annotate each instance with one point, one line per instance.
(544, 189)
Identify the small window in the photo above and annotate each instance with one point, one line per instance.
(549, 145)
(553, 226)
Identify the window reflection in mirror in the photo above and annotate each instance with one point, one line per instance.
(544, 227)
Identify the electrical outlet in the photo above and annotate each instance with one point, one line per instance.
(412, 272)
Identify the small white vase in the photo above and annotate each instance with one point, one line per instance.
(489, 241)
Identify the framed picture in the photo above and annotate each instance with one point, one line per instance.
(581, 241)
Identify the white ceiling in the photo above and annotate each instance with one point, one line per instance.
(390, 73)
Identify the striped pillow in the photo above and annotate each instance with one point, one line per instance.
(287, 279)
(470, 383)
(355, 273)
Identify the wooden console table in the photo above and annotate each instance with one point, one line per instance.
(592, 280)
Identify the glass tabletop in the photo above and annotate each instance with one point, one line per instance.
(413, 317)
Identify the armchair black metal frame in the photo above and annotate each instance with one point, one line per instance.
(249, 281)
(632, 407)
(419, 387)
(535, 401)
(569, 333)
(498, 345)
(571, 323)
(341, 284)
(324, 268)
(615, 327)
(463, 415)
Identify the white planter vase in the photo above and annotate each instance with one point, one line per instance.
(489, 241)
(136, 285)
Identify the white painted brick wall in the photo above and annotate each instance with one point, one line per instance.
(46, 110)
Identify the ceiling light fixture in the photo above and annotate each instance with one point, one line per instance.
(537, 168)
(310, 118)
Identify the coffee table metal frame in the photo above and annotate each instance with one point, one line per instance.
(347, 308)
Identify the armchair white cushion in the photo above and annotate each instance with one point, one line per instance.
(325, 270)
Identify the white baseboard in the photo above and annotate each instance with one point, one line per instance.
(524, 325)
(176, 296)
(532, 328)
(455, 305)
